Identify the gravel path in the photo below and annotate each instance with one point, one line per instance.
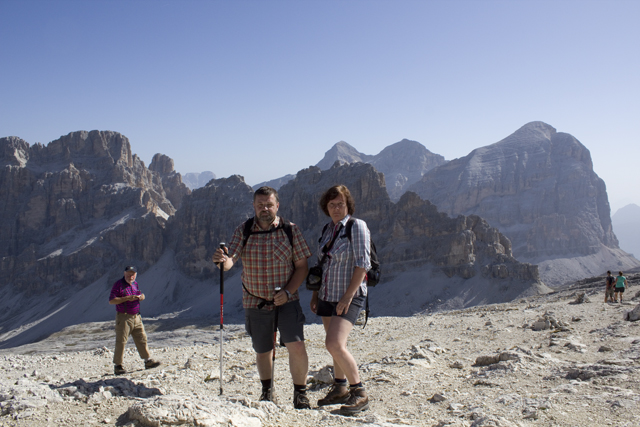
(482, 366)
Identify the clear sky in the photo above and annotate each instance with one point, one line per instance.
(264, 88)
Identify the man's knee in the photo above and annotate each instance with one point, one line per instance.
(296, 347)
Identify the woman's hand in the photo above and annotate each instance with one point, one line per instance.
(314, 302)
(343, 304)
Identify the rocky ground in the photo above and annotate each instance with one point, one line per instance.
(562, 359)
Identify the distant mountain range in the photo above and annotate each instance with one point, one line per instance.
(402, 164)
(195, 180)
(626, 225)
(80, 208)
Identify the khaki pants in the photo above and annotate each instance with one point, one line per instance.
(130, 324)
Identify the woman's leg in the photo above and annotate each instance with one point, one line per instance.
(338, 329)
(338, 373)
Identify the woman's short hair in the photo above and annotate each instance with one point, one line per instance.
(334, 192)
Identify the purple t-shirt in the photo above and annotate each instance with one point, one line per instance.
(122, 289)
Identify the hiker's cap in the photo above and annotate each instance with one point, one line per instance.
(130, 268)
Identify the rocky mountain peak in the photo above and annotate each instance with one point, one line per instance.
(162, 164)
(343, 152)
(15, 151)
(537, 186)
(79, 206)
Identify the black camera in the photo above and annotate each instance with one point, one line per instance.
(314, 278)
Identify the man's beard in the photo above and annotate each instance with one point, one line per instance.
(267, 217)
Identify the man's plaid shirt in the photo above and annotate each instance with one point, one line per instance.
(267, 261)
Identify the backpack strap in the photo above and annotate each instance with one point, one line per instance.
(285, 225)
(366, 310)
(347, 232)
(348, 227)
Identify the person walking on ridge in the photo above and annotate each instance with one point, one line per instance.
(609, 282)
(126, 296)
(621, 283)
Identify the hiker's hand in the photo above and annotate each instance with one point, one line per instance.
(343, 305)
(314, 303)
(219, 257)
(141, 297)
(280, 298)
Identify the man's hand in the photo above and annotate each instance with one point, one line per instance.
(220, 258)
(281, 298)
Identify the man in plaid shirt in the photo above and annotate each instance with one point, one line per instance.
(270, 261)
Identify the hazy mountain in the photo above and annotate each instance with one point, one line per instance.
(538, 187)
(195, 180)
(626, 225)
(402, 164)
(275, 183)
(343, 152)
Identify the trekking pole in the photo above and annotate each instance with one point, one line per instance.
(221, 310)
(273, 357)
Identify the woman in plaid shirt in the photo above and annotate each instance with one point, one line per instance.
(342, 295)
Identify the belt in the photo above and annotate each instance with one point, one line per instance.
(128, 314)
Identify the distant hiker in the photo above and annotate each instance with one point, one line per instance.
(342, 294)
(126, 296)
(609, 282)
(621, 283)
(274, 255)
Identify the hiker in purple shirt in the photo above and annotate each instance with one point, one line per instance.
(126, 296)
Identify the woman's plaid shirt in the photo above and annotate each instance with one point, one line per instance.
(267, 261)
(343, 257)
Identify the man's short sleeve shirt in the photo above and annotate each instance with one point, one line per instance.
(267, 261)
(122, 289)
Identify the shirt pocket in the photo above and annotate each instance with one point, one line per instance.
(341, 249)
(282, 251)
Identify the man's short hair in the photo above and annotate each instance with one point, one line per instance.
(266, 191)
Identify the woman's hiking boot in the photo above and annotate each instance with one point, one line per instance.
(337, 394)
(119, 370)
(358, 402)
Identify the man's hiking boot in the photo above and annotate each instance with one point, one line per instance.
(119, 370)
(358, 402)
(300, 400)
(337, 394)
(149, 364)
(266, 395)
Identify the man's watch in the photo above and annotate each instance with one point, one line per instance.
(288, 295)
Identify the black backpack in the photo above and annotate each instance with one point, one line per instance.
(373, 275)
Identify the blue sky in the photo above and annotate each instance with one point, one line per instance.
(264, 88)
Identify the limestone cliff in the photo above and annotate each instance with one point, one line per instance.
(409, 234)
(78, 207)
(537, 186)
